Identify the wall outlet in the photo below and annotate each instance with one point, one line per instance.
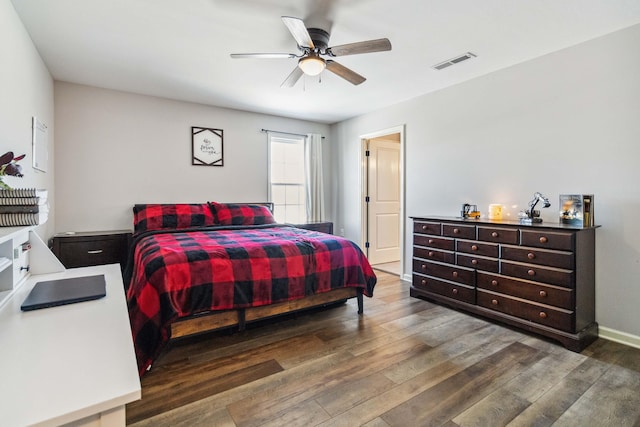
(342, 232)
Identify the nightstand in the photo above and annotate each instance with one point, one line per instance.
(83, 249)
(322, 226)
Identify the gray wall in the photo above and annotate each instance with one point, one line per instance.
(116, 149)
(26, 89)
(568, 122)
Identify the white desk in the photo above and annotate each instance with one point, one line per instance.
(68, 364)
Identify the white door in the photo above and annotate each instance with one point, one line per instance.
(384, 201)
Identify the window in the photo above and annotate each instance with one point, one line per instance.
(287, 182)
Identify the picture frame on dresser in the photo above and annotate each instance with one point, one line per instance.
(537, 277)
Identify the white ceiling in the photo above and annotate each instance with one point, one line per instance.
(179, 49)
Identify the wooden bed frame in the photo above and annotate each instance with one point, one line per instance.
(211, 321)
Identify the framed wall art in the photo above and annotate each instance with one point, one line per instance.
(39, 144)
(206, 146)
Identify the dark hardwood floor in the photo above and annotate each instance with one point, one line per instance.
(405, 362)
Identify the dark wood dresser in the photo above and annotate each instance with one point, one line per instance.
(83, 249)
(540, 277)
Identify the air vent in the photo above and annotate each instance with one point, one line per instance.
(454, 61)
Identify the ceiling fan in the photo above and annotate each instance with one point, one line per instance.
(313, 44)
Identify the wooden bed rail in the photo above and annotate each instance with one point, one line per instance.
(212, 321)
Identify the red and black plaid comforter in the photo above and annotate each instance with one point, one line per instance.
(178, 273)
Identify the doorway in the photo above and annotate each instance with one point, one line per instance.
(383, 201)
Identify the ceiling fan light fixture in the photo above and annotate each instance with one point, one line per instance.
(312, 65)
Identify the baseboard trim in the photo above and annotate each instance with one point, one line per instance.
(619, 337)
(407, 277)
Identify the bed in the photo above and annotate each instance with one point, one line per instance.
(194, 268)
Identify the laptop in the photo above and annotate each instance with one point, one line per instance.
(52, 293)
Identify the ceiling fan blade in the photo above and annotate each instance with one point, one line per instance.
(342, 71)
(298, 31)
(264, 55)
(378, 45)
(293, 78)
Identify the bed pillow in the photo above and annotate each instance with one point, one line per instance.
(241, 214)
(149, 217)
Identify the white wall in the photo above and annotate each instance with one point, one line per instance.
(568, 122)
(26, 90)
(116, 149)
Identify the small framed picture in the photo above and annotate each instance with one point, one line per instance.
(206, 147)
(39, 143)
(577, 209)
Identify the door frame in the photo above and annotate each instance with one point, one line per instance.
(364, 184)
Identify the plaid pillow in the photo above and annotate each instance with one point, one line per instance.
(241, 214)
(148, 217)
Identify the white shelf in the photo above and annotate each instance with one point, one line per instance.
(4, 263)
(39, 259)
(4, 295)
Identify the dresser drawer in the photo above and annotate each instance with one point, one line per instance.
(457, 274)
(478, 262)
(554, 276)
(434, 242)
(441, 287)
(498, 235)
(459, 231)
(477, 248)
(427, 228)
(434, 255)
(546, 239)
(546, 257)
(538, 292)
(539, 313)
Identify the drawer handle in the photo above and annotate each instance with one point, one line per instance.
(531, 273)
(456, 231)
(531, 255)
(494, 301)
(543, 239)
(96, 251)
(543, 294)
(474, 247)
(494, 234)
(455, 274)
(455, 291)
(423, 266)
(430, 253)
(430, 240)
(423, 281)
(543, 315)
(494, 282)
(424, 227)
(474, 261)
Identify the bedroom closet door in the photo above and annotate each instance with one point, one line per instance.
(383, 177)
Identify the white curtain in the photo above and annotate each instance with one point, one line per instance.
(315, 186)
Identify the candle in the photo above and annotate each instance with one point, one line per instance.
(495, 211)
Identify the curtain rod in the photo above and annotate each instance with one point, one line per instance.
(285, 133)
